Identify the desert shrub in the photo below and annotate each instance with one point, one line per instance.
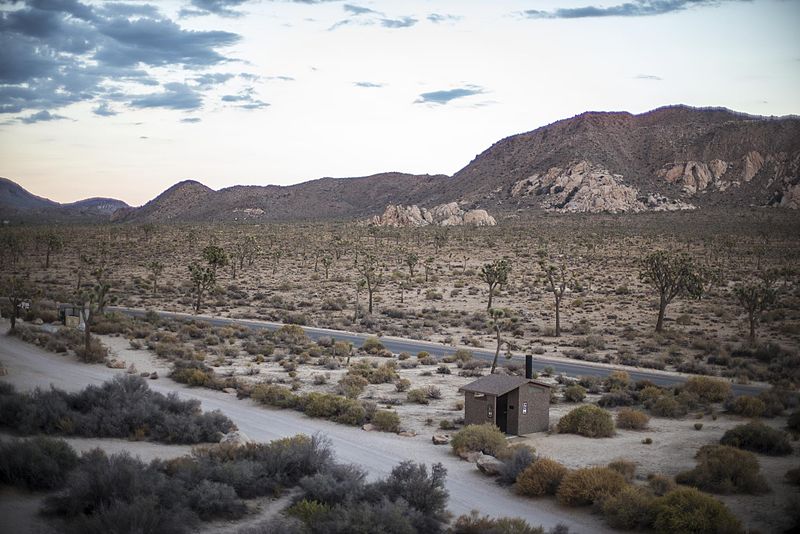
(193, 373)
(334, 484)
(542, 477)
(443, 370)
(432, 392)
(123, 407)
(626, 468)
(274, 395)
(352, 385)
(758, 437)
(39, 463)
(631, 419)
(516, 460)
(334, 407)
(722, 469)
(632, 508)
(747, 406)
(372, 345)
(474, 523)
(616, 398)
(660, 484)
(210, 500)
(691, 511)
(386, 421)
(418, 396)
(574, 393)
(667, 406)
(485, 438)
(589, 485)
(589, 421)
(618, 380)
(97, 351)
(308, 512)
(402, 384)
(708, 389)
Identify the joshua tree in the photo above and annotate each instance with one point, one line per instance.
(499, 320)
(756, 296)
(557, 281)
(495, 274)
(203, 279)
(18, 291)
(245, 251)
(53, 244)
(428, 265)
(671, 275)
(327, 261)
(360, 284)
(411, 259)
(216, 257)
(155, 268)
(370, 271)
(93, 302)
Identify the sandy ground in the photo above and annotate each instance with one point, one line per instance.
(376, 452)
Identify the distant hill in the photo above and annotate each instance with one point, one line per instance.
(19, 205)
(670, 158)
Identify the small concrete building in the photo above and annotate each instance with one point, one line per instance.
(514, 404)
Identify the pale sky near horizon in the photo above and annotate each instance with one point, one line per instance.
(124, 99)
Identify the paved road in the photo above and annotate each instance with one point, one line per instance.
(398, 345)
(30, 366)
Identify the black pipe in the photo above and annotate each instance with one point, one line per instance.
(528, 366)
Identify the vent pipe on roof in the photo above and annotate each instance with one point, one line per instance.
(528, 366)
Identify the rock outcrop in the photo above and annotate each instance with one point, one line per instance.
(584, 187)
(397, 215)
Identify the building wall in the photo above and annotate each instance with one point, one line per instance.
(476, 409)
(538, 417)
(514, 412)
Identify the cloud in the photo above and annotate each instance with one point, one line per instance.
(651, 77)
(191, 120)
(364, 16)
(220, 8)
(42, 116)
(211, 79)
(246, 99)
(358, 10)
(368, 85)
(281, 78)
(448, 95)
(438, 18)
(104, 110)
(633, 8)
(402, 22)
(54, 53)
(176, 96)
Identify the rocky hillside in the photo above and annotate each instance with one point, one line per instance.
(442, 215)
(669, 158)
(19, 205)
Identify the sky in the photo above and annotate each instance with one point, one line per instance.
(123, 99)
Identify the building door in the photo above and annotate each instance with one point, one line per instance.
(502, 413)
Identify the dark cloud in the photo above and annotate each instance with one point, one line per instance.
(177, 96)
(438, 18)
(368, 85)
(634, 8)
(104, 110)
(222, 8)
(448, 95)
(54, 53)
(402, 22)
(651, 77)
(42, 116)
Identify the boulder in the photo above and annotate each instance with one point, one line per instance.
(230, 391)
(489, 465)
(154, 375)
(441, 439)
(407, 434)
(449, 214)
(470, 456)
(38, 321)
(369, 427)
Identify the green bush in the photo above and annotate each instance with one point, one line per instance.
(485, 438)
(372, 345)
(574, 393)
(632, 508)
(474, 523)
(589, 485)
(37, 464)
(352, 385)
(626, 468)
(542, 477)
(667, 406)
(758, 437)
(386, 421)
(309, 512)
(708, 389)
(631, 419)
(589, 420)
(273, 395)
(722, 469)
(660, 484)
(419, 396)
(687, 510)
(747, 406)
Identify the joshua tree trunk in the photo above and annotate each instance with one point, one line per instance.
(497, 350)
(662, 309)
(558, 316)
(491, 294)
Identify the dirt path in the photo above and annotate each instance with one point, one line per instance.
(30, 367)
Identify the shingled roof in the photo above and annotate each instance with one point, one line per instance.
(499, 384)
